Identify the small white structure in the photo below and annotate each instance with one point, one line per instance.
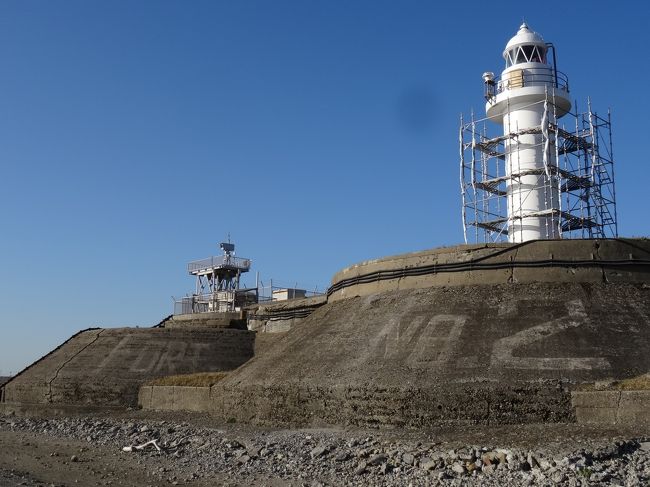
(284, 294)
(536, 180)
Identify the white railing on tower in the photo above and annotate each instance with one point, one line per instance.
(219, 261)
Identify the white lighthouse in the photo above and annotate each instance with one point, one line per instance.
(529, 97)
(524, 173)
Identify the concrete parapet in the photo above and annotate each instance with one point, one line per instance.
(175, 398)
(281, 316)
(629, 408)
(610, 260)
(207, 320)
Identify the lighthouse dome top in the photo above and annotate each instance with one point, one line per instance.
(525, 46)
(525, 36)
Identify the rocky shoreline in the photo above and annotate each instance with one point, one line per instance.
(180, 453)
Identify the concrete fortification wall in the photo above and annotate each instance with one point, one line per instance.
(496, 334)
(612, 260)
(207, 320)
(281, 316)
(488, 333)
(498, 354)
(105, 367)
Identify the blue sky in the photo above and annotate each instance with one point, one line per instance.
(134, 136)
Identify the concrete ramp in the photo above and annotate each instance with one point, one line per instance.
(505, 353)
(105, 367)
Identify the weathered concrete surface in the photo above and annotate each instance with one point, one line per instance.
(105, 367)
(207, 320)
(609, 260)
(492, 334)
(281, 316)
(504, 353)
(264, 341)
(174, 398)
(629, 408)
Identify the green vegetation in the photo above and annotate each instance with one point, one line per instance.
(584, 472)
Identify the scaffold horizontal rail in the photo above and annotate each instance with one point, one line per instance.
(569, 142)
(573, 181)
(492, 227)
(572, 222)
(491, 187)
(489, 148)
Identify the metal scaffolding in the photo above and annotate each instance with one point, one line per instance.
(578, 165)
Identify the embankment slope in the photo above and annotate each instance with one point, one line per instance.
(104, 367)
(502, 353)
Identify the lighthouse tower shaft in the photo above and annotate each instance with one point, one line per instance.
(528, 99)
(530, 163)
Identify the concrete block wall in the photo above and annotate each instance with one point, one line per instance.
(207, 320)
(175, 398)
(412, 406)
(628, 408)
(281, 316)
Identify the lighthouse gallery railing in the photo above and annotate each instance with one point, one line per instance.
(520, 78)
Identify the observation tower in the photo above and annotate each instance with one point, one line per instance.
(537, 179)
(218, 284)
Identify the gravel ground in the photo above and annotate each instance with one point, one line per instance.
(13, 477)
(90, 451)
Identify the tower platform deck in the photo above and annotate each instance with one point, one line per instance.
(207, 266)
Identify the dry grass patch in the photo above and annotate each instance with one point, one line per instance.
(200, 379)
(639, 383)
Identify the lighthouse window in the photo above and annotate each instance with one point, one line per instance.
(535, 57)
(521, 58)
(528, 52)
(525, 54)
